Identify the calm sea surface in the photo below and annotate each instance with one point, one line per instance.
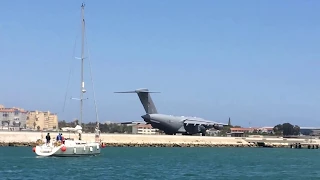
(165, 163)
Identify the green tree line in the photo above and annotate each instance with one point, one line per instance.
(285, 129)
(104, 128)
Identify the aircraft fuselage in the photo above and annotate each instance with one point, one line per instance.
(172, 124)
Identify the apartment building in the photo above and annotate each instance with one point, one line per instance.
(12, 119)
(39, 120)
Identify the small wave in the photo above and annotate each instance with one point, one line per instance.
(11, 171)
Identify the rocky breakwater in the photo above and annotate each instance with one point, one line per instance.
(20, 144)
(17, 144)
(175, 145)
(172, 141)
(130, 140)
(19, 138)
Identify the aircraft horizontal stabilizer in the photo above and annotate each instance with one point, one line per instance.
(142, 90)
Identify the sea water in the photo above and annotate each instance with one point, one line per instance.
(164, 163)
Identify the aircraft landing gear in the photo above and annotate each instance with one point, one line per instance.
(170, 133)
(186, 134)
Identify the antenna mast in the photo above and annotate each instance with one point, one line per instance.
(82, 59)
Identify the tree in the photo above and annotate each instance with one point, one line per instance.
(286, 129)
(63, 123)
(76, 122)
(296, 130)
(278, 129)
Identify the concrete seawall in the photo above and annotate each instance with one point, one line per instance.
(29, 138)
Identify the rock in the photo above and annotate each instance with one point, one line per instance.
(38, 142)
(18, 144)
(175, 145)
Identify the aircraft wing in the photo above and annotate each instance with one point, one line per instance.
(196, 121)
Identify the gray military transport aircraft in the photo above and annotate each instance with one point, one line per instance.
(170, 124)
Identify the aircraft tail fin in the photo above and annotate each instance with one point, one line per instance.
(146, 100)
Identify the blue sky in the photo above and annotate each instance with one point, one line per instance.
(254, 61)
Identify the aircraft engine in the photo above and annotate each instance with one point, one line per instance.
(218, 127)
(202, 129)
(194, 129)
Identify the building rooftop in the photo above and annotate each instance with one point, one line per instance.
(13, 109)
(310, 128)
(242, 129)
(144, 126)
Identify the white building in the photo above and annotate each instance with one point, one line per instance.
(144, 129)
(12, 118)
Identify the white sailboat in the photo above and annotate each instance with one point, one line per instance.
(72, 147)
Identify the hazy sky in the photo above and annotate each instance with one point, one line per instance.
(254, 61)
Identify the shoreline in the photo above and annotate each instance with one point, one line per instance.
(190, 145)
(136, 140)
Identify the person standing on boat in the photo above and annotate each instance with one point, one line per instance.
(59, 137)
(48, 138)
(62, 139)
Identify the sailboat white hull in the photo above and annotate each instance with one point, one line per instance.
(71, 148)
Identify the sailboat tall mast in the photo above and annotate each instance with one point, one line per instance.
(82, 59)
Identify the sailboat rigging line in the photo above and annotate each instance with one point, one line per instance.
(71, 70)
(94, 94)
(70, 74)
